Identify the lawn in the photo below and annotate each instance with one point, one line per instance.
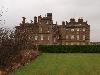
(62, 64)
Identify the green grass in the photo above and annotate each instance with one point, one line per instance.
(62, 64)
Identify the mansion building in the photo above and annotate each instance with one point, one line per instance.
(42, 31)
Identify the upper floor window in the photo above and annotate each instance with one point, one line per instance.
(78, 37)
(41, 29)
(48, 30)
(78, 29)
(83, 29)
(47, 22)
(72, 36)
(36, 37)
(48, 37)
(29, 37)
(54, 40)
(41, 37)
(67, 29)
(66, 36)
(83, 37)
(72, 29)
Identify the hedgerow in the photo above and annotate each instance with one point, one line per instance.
(69, 48)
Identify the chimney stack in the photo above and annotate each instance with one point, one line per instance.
(63, 23)
(23, 21)
(35, 19)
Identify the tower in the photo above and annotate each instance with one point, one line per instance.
(49, 16)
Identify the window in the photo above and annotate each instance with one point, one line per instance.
(72, 36)
(83, 43)
(66, 43)
(48, 30)
(41, 29)
(54, 40)
(47, 22)
(29, 37)
(83, 37)
(66, 36)
(78, 29)
(77, 37)
(72, 43)
(66, 29)
(83, 29)
(58, 37)
(41, 37)
(78, 43)
(48, 37)
(72, 29)
(36, 37)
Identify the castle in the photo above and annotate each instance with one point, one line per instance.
(44, 32)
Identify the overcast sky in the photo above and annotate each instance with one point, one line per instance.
(62, 10)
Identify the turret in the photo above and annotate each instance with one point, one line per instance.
(49, 16)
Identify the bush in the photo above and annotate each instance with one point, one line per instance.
(69, 48)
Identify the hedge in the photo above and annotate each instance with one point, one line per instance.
(69, 48)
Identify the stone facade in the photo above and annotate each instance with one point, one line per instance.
(44, 32)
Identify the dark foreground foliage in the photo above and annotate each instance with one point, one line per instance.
(70, 48)
(14, 54)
